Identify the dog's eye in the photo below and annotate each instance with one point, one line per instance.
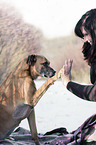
(45, 63)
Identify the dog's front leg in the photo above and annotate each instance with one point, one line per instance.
(32, 124)
(39, 93)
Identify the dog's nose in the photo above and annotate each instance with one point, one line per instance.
(54, 72)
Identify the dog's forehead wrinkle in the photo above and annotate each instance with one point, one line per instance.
(42, 59)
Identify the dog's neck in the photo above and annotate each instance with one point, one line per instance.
(32, 72)
(23, 73)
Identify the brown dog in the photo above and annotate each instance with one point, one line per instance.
(18, 94)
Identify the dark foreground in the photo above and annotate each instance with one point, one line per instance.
(59, 136)
(23, 137)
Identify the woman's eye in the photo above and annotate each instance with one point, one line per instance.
(86, 34)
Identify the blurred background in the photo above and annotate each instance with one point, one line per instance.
(43, 27)
(46, 27)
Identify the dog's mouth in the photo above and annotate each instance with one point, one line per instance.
(49, 75)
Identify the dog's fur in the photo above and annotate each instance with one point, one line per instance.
(18, 94)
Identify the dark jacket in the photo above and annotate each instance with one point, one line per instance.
(86, 92)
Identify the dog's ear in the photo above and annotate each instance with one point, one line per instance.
(31, 60)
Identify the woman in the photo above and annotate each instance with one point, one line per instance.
(86, 30)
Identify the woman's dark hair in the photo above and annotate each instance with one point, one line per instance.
(88, 20)
(93, 72)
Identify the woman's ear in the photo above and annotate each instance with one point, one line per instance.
(31, 60)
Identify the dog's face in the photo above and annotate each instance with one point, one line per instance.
(40, 66)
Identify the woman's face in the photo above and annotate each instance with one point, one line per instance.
(87, 36)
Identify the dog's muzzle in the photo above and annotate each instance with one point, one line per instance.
(51, 74)
(47, 72)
